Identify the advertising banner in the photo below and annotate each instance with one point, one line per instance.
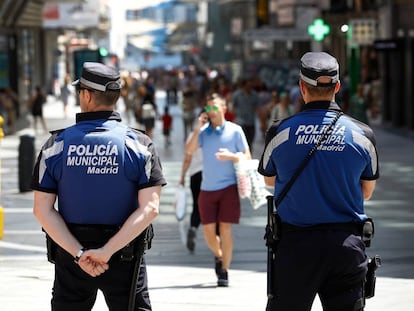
(71, 14)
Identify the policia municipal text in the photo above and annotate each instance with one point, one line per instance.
(107, 178)
(319, 224)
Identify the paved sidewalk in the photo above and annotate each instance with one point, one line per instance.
(185, 282)
(26, 285)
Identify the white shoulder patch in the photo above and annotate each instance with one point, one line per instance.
(279, 139)
(365, 143)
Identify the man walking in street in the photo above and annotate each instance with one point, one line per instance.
(107, 178)
(220, 141)
(319, 247)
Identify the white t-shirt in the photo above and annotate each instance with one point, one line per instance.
(196, 164)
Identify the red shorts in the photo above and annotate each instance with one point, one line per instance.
(219, 206)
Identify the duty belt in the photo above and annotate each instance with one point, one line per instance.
(94, 236)
(352, 227)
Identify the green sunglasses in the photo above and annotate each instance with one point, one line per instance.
(211, 108)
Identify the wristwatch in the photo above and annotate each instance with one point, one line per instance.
(79, 255)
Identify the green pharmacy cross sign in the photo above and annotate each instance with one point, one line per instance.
(318, 29)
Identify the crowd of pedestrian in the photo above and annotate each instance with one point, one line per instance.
(249, 99)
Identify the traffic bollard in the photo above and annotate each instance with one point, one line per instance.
(26, 161)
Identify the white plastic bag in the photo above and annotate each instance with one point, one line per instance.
(180, 204)
(243, 181)
(250, 183)
(258, 192)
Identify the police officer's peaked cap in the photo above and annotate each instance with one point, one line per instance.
(315, 65)
(99, 77)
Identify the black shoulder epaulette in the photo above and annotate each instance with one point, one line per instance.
(57, 131)
(136, 130)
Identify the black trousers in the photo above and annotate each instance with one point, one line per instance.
(74, 289)
(250, 132)
(330, 263)
(195, 184)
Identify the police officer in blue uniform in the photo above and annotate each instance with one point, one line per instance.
(106, 179)
(320, 249)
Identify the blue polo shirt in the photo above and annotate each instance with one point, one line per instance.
(328, 190)
(218, 174)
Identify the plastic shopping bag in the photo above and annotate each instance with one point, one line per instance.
(180, 204)
(250, 183)
(243, 181)
(259, 192)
